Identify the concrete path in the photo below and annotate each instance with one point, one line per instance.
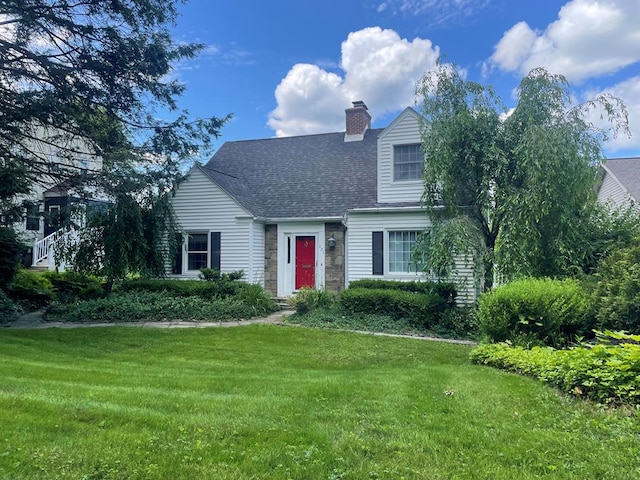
(35, 320)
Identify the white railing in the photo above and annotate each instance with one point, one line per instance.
(45, 249)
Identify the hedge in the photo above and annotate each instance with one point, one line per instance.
(421, 309)
(536, 312)
(446, 290)
(608, 372)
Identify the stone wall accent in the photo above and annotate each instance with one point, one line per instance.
(271, 259)
(334, 259)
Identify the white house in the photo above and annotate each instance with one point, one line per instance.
(51, 198)
(620, 186)
(315, 210)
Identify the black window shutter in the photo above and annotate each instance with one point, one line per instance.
(215, 251)
(378, 255)
(177, 259)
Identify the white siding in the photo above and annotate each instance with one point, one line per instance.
(404, 130)
(360, 252)
(612, 193)
(202, 206)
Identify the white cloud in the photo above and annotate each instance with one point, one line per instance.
(629, 92)
(438, 11)
(379, 68)
(590, 38)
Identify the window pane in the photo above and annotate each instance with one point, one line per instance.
(197, 261)
(407, 162)
(400, 246)
(198, 242)
(198, 251)
(33, 217)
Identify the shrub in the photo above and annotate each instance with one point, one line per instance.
(183, 288)
(445, 290)
(536, 312)
(422, 309)
(308, 299)
(256, 297)
(31, 289)
(73, 286)
(213, 275)
(457, 322)
(608, 372)
(8, 309)
(617, 293)
(10, 248)
(157, 306)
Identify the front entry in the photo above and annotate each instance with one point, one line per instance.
(305, 262)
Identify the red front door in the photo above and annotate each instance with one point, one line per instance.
(305, 262)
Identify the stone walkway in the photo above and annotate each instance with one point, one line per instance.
(35, 320)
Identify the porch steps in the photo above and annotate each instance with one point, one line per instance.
(282, 303)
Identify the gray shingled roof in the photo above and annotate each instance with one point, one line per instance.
(627, 171)
(305, 176)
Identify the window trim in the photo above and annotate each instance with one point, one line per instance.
(394, 149)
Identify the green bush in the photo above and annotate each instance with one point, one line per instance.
(308, 299)
(31, 289)
(617, 293)
(157, 306)
(9, 311)
(10, 248)
(257, 298)
(423, 310)
(73, 286)
(445, 290)
(608, 372)
(183, 288)
(213, 275)
(536, 312)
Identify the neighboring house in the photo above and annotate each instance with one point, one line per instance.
(47, 205)
(620, 186)
(315, 210)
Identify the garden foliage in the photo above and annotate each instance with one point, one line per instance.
(215, 286)
(447, 291)
(134, 306)
(308, 299)
(617, 293)
(32, 290)
(607, 372)
(536, 312)
(421, 309)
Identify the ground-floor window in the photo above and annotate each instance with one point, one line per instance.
(197, 251)
(400, 250)
(33, 216)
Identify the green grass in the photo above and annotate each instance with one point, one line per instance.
(269, 402)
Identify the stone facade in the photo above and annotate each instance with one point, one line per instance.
(334, 261)
(271, 259)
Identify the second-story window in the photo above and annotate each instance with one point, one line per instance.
(407, 162)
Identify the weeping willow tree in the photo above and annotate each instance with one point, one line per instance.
(513, 192)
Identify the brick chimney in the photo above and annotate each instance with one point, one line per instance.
(358, 121)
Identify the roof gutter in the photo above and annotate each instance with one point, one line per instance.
(299, 219)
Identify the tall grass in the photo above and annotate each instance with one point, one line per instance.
(267, 402)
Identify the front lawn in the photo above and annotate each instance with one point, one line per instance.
(270, 402)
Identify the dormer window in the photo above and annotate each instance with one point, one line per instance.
(407, 162)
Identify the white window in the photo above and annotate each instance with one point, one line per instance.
(400, 249)
(407, 162)
(197, 251)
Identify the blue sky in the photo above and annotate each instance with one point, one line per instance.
(291, 67)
